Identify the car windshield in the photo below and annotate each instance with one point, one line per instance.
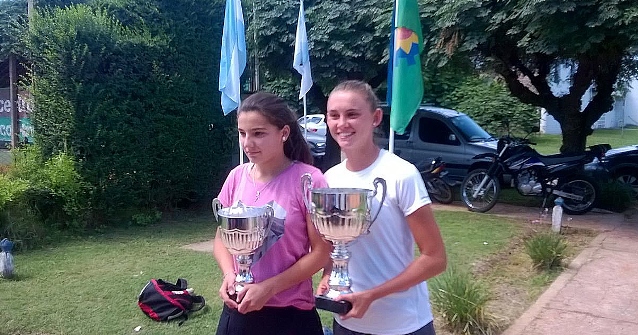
(470, 130)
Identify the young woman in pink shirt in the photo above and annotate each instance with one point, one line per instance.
(281, 299)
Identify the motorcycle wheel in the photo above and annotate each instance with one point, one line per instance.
(487, 195)
(440, 191)
(584, 187)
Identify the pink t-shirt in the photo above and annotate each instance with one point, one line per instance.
(290, 218)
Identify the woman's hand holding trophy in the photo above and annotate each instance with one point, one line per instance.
(340, 215)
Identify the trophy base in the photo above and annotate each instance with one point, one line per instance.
(233, 297)
(327, 304)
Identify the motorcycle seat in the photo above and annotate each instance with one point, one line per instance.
(560, 159)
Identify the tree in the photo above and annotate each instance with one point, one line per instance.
(528, 42)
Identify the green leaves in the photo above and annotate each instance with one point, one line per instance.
(128, 89)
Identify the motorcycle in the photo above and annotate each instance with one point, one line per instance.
(438, 185)
(533, 174)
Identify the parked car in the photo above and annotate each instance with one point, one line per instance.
(315, 123)
(622, 164)
(317, 145)
(439, 132)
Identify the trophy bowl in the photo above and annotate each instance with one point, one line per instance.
(243, 230)
(340, 215)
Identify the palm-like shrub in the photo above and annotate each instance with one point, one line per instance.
(462, 300)
(546, 249)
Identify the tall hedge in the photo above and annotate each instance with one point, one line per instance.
(129, 89)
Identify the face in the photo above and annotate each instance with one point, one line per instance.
(351, 120)
(261, 141)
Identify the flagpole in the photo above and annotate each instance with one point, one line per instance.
(301, 63)
(391, 71)
(232, 61)
(391, 141)
(305, 119)
(241, 150)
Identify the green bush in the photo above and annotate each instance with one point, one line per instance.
(491, 105)
(615, 196)
(546, 249)
(462, 300)
(41, 196)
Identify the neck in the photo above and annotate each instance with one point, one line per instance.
(359, 159)
(266, 171)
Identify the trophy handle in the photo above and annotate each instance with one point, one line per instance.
(306, 186)
(376, 182)
(217, 205)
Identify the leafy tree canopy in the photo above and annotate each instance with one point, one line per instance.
(529, 42)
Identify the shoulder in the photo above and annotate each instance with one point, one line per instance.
(237, 170)
(335, 170)
(303, 168)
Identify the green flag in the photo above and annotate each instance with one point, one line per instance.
(406, 81)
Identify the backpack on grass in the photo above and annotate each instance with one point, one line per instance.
(163, 301)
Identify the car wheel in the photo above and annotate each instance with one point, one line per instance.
(629, 177)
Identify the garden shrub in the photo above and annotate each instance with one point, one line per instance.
(462, 301)
(41, 196)
(546, 249)
(615, 196)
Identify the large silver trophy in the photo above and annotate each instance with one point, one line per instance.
(243, 230)
(340, 215)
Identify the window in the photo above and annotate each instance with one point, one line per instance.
(436, 131)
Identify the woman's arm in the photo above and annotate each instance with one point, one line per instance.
(431, 262)
(226, 265)
(255, 297)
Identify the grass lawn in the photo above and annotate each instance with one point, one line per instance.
(550, 144)
(89, 285)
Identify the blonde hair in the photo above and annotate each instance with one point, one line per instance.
(362, 88)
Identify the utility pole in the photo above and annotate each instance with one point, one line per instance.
(13, 99)
(13, 87)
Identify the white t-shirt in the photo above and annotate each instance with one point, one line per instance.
(389, 247)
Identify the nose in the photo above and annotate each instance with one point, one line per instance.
(246, 140)
(341, 121)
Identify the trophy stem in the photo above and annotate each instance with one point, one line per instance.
(339, 279)
(244, 276)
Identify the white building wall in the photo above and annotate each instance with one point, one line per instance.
(624, 112)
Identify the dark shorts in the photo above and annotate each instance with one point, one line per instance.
(270, 321)
(338, 329)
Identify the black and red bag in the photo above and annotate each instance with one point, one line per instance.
(163, 301)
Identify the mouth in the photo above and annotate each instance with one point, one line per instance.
(344, 135)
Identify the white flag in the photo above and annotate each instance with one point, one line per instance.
(301, 61)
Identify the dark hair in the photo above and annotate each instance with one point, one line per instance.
(360, 87)
(277, 112)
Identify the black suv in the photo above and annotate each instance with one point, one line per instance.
(439, 132)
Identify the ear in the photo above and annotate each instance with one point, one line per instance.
(285, 132)
(377, 117)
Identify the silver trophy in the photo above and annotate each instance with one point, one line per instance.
(340, 215)
(243, 230)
